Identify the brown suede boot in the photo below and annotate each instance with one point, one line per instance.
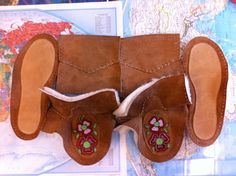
(158, 111)
(90, 63)
(85, 122)
(158, 114)
(86, 64)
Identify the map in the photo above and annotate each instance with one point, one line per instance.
(18, 25)
(212, 18)
(191, 18)
(14, 33)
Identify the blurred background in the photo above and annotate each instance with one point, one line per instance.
(27, 2)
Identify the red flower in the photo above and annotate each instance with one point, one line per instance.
(86, 144)
(159, 141)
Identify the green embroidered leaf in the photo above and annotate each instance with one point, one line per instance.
(77, 136)
(95, 133)
(147, 133)
(166, 130)
(158, 114)
(79, 151)
(146, 126)
(95, 149)
(81, 118)
(94, 125)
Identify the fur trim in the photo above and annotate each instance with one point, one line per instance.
(123, 109)
(187, 86)
(66, 98)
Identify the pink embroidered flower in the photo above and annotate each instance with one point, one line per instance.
(84, 127)
(156, 123)
(86, 145)
(160, 141)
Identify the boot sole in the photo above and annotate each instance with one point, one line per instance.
(34, 68)
(207, 70)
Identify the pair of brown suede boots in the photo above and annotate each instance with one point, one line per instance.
(83, 87)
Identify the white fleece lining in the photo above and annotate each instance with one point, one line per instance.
(123, 109)
(187, 86)
(66, 98)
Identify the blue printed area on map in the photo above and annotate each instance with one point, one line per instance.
(220, 158)
(222, 29)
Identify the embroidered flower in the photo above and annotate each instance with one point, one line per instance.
(86, 135)
(156, 123)
(159, 141)
(84, 127)
(86, 144)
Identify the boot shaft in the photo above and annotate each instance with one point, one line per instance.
(89, 63)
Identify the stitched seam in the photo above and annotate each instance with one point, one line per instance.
(101, 67)
(61, 53)
(123, 118)
(160, 38)
(164, 108)
(151, 70)
(98, 68)
(121, 68)
(145, 101)
(119, 57)
(151, 38)
(225, 86)
(122, 59)
(58, 113)
(221, 58)
(17, 66)
(77, 107)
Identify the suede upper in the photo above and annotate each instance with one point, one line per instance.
(85, 125)
(158, 116)
(149, 56)
(88, 63)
